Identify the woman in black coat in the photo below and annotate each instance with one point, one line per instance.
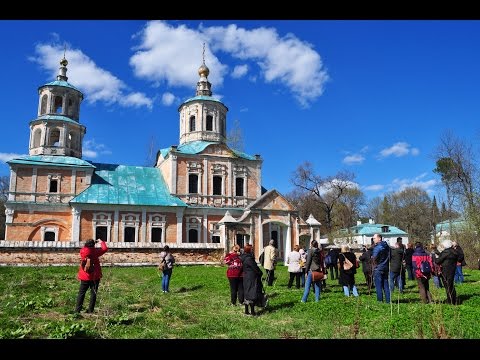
(252, 280)
(347, 277)
(448, 260)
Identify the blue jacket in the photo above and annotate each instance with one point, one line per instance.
(381, 256)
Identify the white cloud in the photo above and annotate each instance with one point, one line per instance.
(401, 184)
(376, 187)
(244, 110)
(284, 60)
(353, 159)
(327, 186)
(168, 99)
(91, 149)
(399, 149)
(9, 156)
(136, 100)
(239, 71)
(96, 83)
(174, 54)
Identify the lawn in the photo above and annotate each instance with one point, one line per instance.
(38, 303)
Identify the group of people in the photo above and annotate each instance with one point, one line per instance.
(384, 268)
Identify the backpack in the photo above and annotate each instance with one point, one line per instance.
(261, 258)
(328, 260)
(425, 267)
(87, 265)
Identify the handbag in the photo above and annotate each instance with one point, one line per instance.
(347, 264)
(317, 276)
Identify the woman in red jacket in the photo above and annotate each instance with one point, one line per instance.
(235, 275)
(89, 277)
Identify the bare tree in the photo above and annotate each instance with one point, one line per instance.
(151, 152)
(349, 206)
(373, 209)
(235, 137)
(327, 192)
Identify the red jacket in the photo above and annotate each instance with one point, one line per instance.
(235, 266)
(94, 254)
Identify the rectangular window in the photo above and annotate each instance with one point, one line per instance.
(193, 184)
(209, 122)
(53, 186)
(156, 234)
(129, 234)
(217, 185)
(49, 236)
(101, 233)
(239, 186)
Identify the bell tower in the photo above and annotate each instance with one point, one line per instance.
(203, 118)
(57, 130)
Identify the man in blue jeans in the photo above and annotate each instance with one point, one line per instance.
(381, 260)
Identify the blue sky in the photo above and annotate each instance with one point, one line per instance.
(368, 96)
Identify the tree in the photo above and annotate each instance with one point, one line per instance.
(326, 192)
(349, 206)
(411, 208)
(373, 209)
(150, 159)
(4, 185)
(235, 137)
(387, 216)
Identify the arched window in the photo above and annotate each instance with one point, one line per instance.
(37, 136)
(193, 236)
(43, 107)
(58, 105)
(193, 184)
(209, 123)
(192, 123)
(54, 138)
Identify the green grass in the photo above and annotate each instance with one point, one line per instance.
(38, 303)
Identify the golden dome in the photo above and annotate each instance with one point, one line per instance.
(203, 70)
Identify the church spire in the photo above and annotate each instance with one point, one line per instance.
(62, 71)
(203, 85)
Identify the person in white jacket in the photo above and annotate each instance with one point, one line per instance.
(294, 269)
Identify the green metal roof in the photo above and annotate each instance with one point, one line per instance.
(203, 97)
(457, 224)
(127, 185)
(57, 117)
(60, 83)
(51, 160)
(195, 147)
(371, 229)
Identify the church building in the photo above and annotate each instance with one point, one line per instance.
(200, 197)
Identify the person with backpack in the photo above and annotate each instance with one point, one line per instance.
(167, 258)
(331, 260)
(235, 275)
(89, 273)
(422, 268)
